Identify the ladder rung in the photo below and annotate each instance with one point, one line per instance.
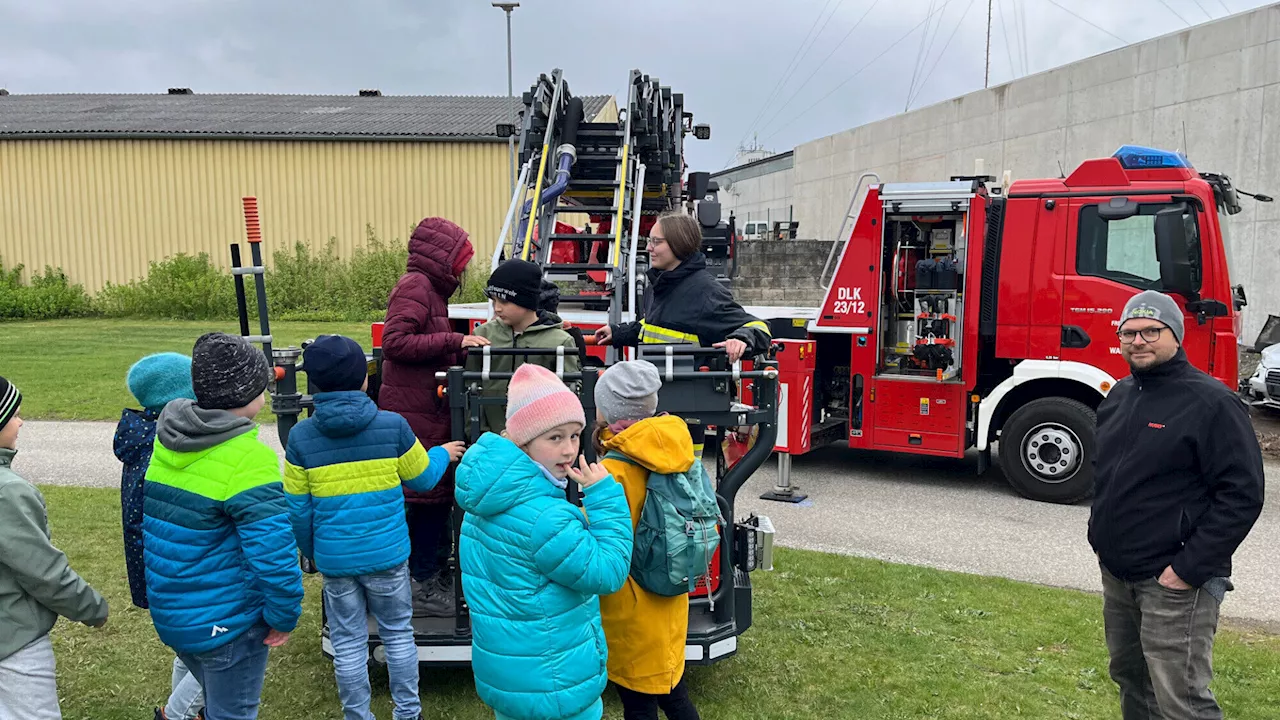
(588, 182)
(604, 297)
(575, 267)
(589, 209)
(580, 236)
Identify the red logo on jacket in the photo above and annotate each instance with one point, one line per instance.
(1155, 426)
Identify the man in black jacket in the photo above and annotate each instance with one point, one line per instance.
(1179, 486)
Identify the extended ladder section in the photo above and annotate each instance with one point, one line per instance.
(595, 180)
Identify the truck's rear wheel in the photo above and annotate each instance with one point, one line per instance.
(1047, 449)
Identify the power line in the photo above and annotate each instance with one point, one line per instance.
(943, 52)
(1206, 12)
(856, 73)
(933, 38)
(777, 111)
(786, 73)
(1020, 29)
(1073, 14)
(1223, 3)
(1176, 13)
(918, 65)
(1004, 29)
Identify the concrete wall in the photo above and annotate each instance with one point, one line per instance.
(761, 190)
(780, 272)
(1221, 79)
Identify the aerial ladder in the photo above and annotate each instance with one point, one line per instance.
(620, 173)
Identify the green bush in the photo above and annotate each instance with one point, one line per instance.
(48, 295)
(182, 287)
(303, 283)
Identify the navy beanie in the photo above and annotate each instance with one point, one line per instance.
(334, 363)
(155, 380)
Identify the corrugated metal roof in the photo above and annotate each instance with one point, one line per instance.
(406, 117)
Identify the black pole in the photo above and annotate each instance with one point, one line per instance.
(242, 305)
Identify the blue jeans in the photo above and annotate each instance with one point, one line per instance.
(348, 603)
(232, 675)
(186, 697)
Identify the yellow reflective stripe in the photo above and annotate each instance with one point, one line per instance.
(759, 325)
(413, 463)
(295, 480)
(353, 478)
(650, 333)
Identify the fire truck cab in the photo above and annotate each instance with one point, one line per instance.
(961, 317)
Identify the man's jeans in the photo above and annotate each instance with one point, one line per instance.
(28, 689)
(348, 603)
(232, 675)
(1161, 646)
(186, 697)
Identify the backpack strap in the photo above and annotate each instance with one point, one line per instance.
(615, 455)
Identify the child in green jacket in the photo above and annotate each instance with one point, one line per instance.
(36, 585)
(515, 287)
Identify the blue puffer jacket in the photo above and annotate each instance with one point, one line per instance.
(220, 555)
(135, 437)
(343, 470)
(533, 569)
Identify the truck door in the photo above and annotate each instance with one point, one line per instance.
(1111, 255)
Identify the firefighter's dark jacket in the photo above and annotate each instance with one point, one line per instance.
(687, 305)
(1179, 475)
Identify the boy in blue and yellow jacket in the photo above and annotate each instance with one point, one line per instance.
(223, 581)
(344, 467)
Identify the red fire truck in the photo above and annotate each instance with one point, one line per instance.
(960, 316)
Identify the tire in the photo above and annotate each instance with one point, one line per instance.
(1067, 429)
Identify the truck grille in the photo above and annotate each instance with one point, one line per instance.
(1273, 384)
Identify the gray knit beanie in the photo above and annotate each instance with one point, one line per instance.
(628, 391)
(227, 371)
(1153, 305)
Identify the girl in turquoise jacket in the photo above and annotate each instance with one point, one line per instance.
(533, 565)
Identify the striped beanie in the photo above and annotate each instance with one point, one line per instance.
(11, 398)
(536, 402)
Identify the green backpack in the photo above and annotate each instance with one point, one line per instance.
(676, 536)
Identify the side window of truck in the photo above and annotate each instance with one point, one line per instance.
(1121, 250)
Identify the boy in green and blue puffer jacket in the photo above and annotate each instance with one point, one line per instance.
(36, 585)
(344, 468)
(223, 580)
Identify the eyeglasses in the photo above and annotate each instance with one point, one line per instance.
(1150, 335)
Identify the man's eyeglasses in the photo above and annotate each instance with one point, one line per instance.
(1150, 335)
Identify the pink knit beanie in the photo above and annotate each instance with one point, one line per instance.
(536, 402)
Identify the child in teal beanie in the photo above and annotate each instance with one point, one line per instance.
(155, 380)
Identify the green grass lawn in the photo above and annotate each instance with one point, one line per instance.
(834, 637)
(75, 369)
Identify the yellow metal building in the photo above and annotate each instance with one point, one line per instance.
(100, 185)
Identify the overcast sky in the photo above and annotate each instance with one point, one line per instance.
(726, 56)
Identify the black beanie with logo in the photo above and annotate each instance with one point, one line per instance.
(516, 281)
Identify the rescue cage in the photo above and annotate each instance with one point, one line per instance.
(721, 607)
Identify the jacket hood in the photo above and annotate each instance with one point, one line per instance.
(433, 247)
(343, 413)
(495, 475)
(185, 427)
(135, 434)
(666, 279)
(660, 444)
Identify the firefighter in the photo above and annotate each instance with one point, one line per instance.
(684, 303)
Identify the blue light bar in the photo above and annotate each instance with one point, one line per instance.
(1136, 157)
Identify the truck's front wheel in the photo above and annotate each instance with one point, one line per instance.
(1047, 449)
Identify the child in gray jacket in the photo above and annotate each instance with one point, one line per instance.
(36, 585)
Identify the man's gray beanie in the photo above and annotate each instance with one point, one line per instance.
(628, 391)
(1154, 305)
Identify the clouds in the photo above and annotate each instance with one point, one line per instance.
(724, 55)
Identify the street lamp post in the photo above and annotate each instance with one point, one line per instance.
(507, 7)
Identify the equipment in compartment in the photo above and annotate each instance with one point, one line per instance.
(922, 281)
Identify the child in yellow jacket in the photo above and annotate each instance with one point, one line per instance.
(645, 632)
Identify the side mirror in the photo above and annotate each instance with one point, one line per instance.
(1172, 251)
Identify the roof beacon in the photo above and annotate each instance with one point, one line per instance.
(1136, 157)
